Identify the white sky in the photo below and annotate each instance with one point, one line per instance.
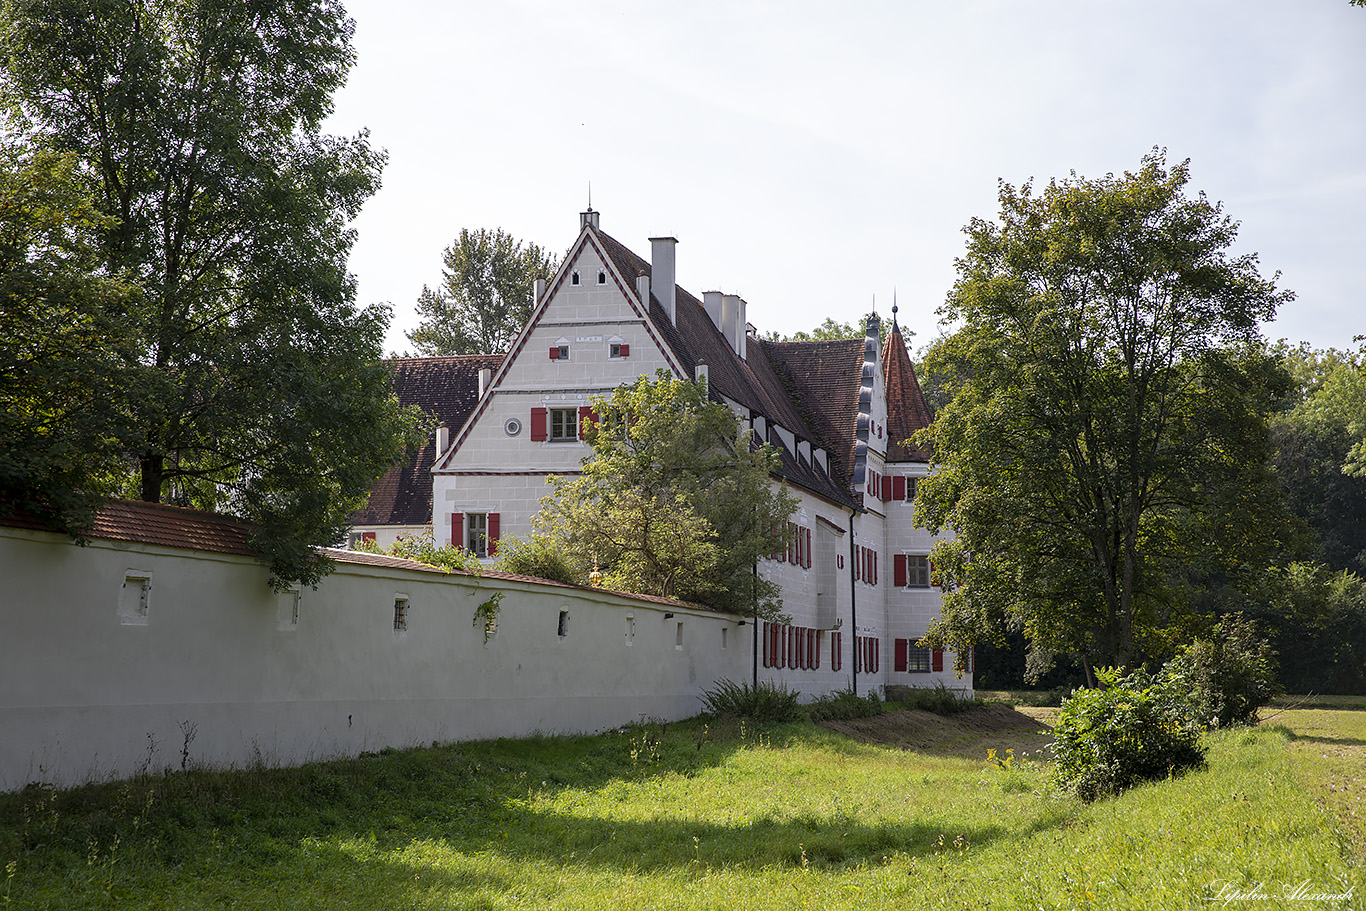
(809, 156)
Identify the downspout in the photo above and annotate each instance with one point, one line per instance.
(853, 606)
(756, 624)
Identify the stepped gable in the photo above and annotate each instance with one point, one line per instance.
(825, 377)
(752, 381)
(907, 410)
(446, 388)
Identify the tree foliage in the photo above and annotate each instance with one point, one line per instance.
(1104, 452)
(1230, 674)
(196, 123)
(675, 499)
(832, 330)
(67, 368)
(485, 295)
(1314, 441)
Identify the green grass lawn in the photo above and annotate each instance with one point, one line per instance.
(698, 815)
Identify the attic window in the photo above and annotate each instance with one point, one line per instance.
(559, 352)
(574, 277)
(619, 350)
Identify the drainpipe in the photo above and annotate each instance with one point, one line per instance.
(853, 605)
(756, 624)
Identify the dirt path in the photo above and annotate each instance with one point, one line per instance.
(969, 734)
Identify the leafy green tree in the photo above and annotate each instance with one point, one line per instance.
(485, 295)
(196, 123)
(67, 358)
(831, 330)
(674, 500)
(1107, 439)
(1314, 440)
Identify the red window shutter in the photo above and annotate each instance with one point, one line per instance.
(538, 424)
(457, 529)
(899, 650)
(937, 660)
(808, 548)
(625, 350)
(493, 533)
(765, 649)
(899, 570)
(886, 488)
(801, 647)
(875, 567)
(585, 417)
(858, 564)
(816, 650)
(899, 487)
(367, 536)
(812, 653)
(774, 648)
(877, 654)
(554, 352)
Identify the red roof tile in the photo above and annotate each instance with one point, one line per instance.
(907, 410)
(446, 388)
(163, 525)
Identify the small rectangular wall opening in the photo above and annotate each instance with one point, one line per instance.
(287, 610)
(564, 624)
(135, 598)
(725, 637)
(630, 629)
(678, 636)
(400, 613)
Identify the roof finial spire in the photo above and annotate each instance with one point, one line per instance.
(590, 196)
(893, 306)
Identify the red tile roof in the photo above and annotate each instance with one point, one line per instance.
(907, 410)
(446, 388)
(163, 525)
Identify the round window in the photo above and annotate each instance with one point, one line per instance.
(512, 427)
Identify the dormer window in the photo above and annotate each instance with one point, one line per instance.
(574, 277)
(602, 277)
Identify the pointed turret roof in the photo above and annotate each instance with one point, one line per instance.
(907, 410)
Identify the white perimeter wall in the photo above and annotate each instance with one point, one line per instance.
(86, 695)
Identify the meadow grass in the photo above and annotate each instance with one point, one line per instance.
(700, 814)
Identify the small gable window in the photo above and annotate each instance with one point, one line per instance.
(619, 350)
(574, 277)
(602, 277)
(559, 352)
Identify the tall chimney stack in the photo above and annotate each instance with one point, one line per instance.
(711, 302)
(662, 275)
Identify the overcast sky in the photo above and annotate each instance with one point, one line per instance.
(810, 156)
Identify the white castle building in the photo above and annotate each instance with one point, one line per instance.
(855, 575)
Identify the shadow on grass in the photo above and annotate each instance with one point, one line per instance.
(388, 827)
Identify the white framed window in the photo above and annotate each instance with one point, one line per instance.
(602, 277)
(618, 349)
(477, 533)
(135, 599)
(917, 571)
(574, 277)
(564, 425)
(917, 660)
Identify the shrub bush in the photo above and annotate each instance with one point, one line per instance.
(537, 557)
(843, 705)
(938, 699)
(1133, 728)
(1231, 675)
(767, 702)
